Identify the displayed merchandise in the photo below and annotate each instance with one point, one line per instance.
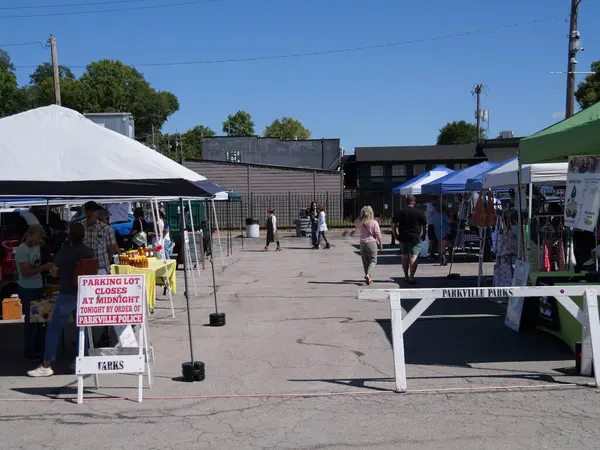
(485, 214)
(12, 309)
(583, 192)
(136, 258)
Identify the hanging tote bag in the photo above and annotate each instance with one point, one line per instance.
(141, 238)
(484, 215)
(503, 272)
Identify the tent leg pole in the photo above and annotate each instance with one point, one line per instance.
(185, 278)
(218, 232)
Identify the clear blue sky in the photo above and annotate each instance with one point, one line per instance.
(397, 95)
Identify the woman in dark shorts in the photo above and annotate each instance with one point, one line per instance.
(449, 238)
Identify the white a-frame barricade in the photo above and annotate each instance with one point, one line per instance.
(109, 300)
(588, 317)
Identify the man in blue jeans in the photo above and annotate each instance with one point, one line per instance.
(66, 302)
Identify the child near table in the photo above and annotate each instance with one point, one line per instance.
(30, 282)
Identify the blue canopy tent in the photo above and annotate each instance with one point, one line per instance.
(456, 182)
(476, 183)
(414, 185)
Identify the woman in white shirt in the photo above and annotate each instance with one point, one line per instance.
(322, 228)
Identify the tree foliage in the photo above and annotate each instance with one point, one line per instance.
(12, 99)
(588, 91)
(458, 132)
(187, 145)
(45, 71)
(105, 86)
(239, 124)
(287, 128)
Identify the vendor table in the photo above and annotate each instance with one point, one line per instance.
(559, 322)
(156, 273)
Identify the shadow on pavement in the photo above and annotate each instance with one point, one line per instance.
(461, 341)
(351, 382)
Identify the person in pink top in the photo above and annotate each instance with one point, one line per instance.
(370, 240)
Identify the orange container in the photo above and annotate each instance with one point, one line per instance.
(12, 309)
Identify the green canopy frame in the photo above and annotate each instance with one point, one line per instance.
(577, 135)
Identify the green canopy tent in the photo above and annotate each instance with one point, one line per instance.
(577, 135)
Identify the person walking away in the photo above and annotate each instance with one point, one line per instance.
(313, 215)
(431, 209)
(30, 282)
(370, 240)
(412, 226)
(99, 237)
(272, 233)
(322, 227)
(66, 302)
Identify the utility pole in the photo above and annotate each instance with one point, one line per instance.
(55, 71)
(477, 92)
(572, 61)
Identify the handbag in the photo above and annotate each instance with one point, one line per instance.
(484, 215)
(141, 238)
(503, 273)
(507, 242)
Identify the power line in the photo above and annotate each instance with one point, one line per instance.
(68, 5)
(334, 51)
(100, 11)
(19, 44)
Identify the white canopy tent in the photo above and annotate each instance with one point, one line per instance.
(506, 174)
(56, 152)
(413, 186)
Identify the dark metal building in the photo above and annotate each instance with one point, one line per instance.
(324, 154)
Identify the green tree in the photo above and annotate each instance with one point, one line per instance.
(106, 86)
(192, 141)
(460, 132)
(12, 99)
(74, 94)
(187, 145)
(239, 124)
(588, 91)
(116, 87)
(287, 128)
(45, 71)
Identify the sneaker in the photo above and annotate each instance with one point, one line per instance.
(278, 249)
(328, 246)
(266, 249)
(41, 371)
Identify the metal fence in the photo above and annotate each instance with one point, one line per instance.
(288, 207)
